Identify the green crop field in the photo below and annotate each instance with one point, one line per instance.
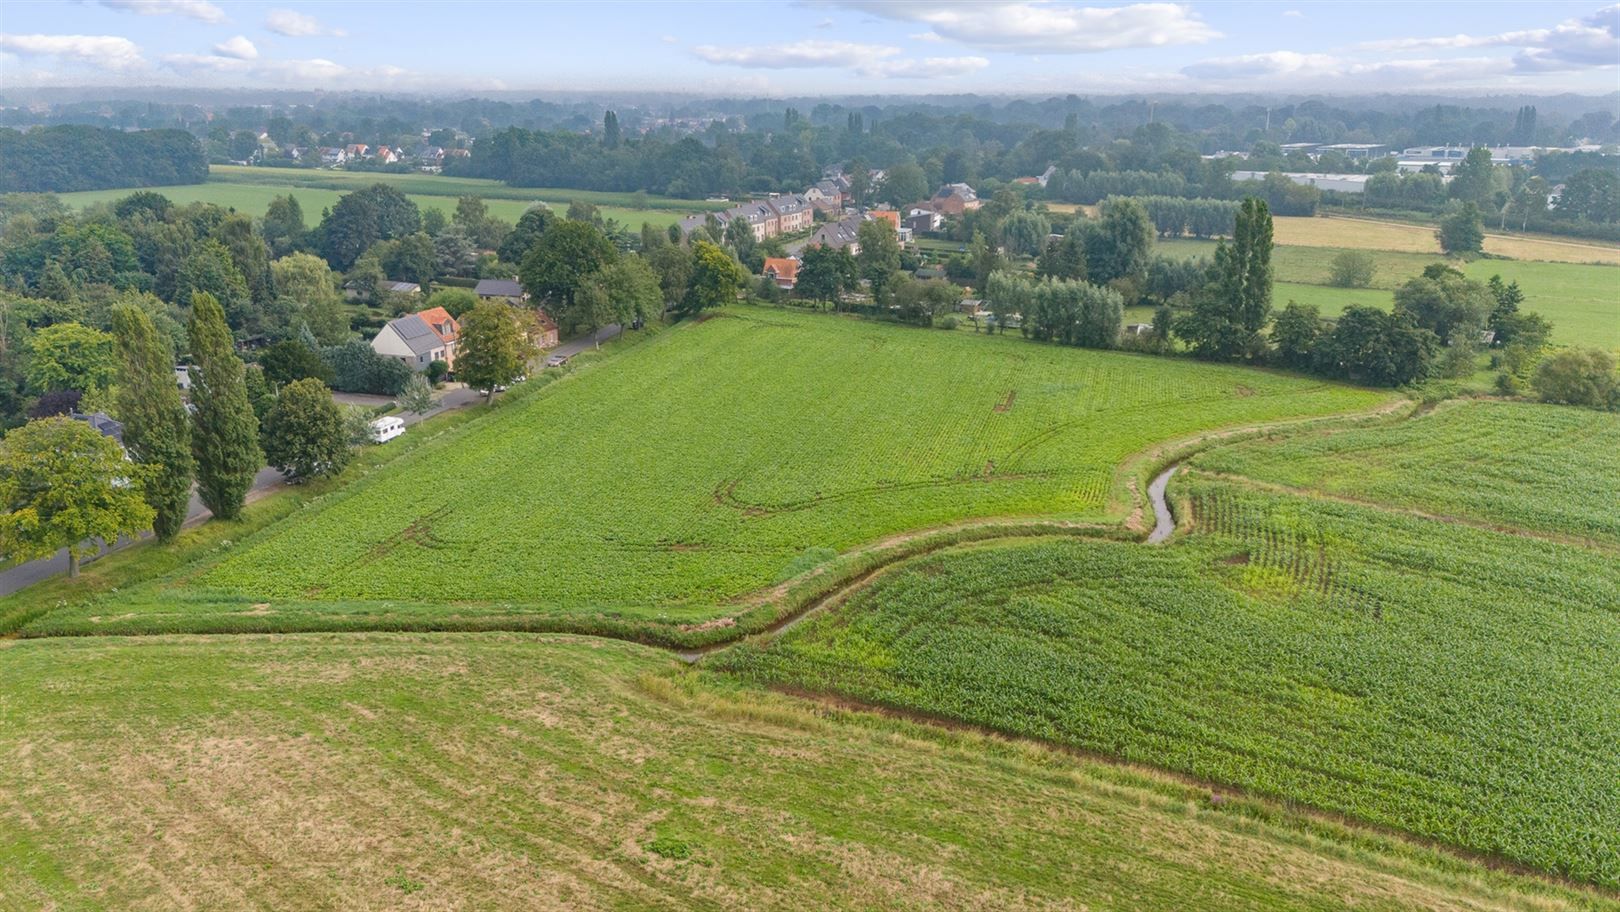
(1538, 467)
(488, 771)
(421, 184)
(715, 459)
(1583, 301)
(250, 190)
(1443, 680)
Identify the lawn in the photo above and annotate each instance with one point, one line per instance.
(662, 485)
(1539, 467)
(250, 190)
(1435, 678)
(1583, 301)
(407, 772)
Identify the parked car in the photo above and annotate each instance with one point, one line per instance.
(387, 428)
(556, 361)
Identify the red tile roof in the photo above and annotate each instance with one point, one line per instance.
(443, 325)
(781, 267)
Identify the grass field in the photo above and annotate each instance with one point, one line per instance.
(1432, 677)
(250, 190)
(1538, 467)
(254, 199)
(1382, 234)
(408, 772)
(713, 460)
(1583, 301)
(440, 185)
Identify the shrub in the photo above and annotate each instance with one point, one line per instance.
(949, 322)
(356, 368)
(1352, 269)
(1579, 376)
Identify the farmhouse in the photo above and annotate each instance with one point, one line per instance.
(507, 290)
(417, 340)
(538, 328)
(955, 199)
(784, 271)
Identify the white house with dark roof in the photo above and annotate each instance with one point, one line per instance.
(508, 290)
(413, 342)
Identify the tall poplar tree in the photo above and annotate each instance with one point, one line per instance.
(1230, 313)
(225, 432)
(156, 432)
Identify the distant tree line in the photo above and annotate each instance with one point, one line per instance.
(68, 158)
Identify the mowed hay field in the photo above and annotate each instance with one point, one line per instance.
(662, 485)
(1582, 301)
(1432, 677)
(250, 190)
(404, 772)
(1382, 234)
(1544, 468)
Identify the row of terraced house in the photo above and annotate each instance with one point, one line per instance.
(784, 213)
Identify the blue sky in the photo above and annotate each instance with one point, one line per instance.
(810, 47)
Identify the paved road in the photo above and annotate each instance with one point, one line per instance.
(25, 575)
(574, 346)
(268, 479)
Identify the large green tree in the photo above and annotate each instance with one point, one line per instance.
(716, 279)
(492, 350)
(825, 274)
(1462, 231)
(1121, 244)
(559, 261)
(308, 288)
(225, 432)
(210, 270)
(71, 356)
(64, 485)
(304, 433)
(157, 433)
(879, 258)
(1229, 315)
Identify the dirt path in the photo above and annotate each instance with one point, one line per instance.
(1163, 522)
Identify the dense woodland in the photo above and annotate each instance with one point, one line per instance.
(60, 159)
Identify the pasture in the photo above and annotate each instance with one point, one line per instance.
(1582, 301)
(408, 772)
(659, 487)
(1439, 679)
(1545, 468)
(249, 190)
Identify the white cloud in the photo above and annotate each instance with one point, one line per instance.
(807, 53)
(926, 68)
(1025, 27)
(824, 24)
(925, 36)
(238, 47)
(298, 25)
(1305, 72)
(107, 52)
(1293, 14)
(201, 10)
(879, 61)
(1574, 44)
(315, 72)
(670, 39)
